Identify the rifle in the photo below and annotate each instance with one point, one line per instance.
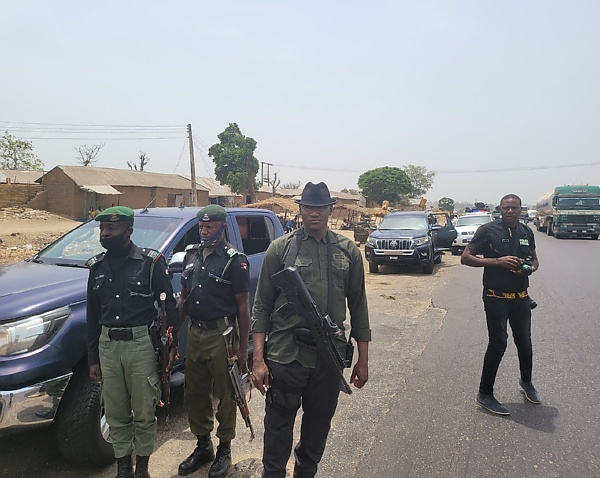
(323, 331)
(166, 338)
(241, 383)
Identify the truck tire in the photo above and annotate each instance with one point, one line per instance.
(550, 229)
(438, 259)
(594, 237)
(455, 251)
(80, 423)
(373, 267)
(427, 268)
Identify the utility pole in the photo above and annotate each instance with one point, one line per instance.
(262, 173)
(192, 166)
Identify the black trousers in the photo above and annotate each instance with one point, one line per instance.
(292, 385)
(499, 313)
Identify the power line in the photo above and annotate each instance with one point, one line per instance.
(92, 125)
(98, 138)
(185, 140)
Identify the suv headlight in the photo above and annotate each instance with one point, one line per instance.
(419, 241)
(371, 241)
(25, 335)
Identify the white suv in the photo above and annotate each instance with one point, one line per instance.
(465, 227)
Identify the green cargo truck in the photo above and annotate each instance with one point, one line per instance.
(570, 211)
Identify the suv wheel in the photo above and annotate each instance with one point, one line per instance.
(427, 268)
(455, 251)
(80, 426)
(373, 267)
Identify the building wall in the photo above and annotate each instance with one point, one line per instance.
(137, 197)
(17, 194)
(64, 197)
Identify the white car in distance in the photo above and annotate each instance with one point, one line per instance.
(465, 227)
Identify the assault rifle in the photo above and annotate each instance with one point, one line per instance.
(241, 382)
(322, 329)
(162, 345)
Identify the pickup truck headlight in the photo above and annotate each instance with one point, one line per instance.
(419, 241)
(25, 335)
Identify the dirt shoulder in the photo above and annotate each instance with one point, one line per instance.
(23, 232)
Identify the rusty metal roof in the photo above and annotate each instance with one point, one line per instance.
(86, 175)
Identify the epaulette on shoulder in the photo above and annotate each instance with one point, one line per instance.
(152, 254)
(192, 247)
(94, 260)
(231, 251)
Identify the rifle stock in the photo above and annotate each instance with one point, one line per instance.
(241, 383)
(166, 338)
(322, 328)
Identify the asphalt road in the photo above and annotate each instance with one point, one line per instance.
(417, 416)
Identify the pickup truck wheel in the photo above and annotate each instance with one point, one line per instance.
(80, 426)
(373, 267)
(438, 259)
(455, 250)
(427, 268)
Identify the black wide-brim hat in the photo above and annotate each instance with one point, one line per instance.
(315, 195)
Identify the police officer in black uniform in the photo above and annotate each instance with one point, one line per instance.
(123, 286)
(509, 257)
(214, 295)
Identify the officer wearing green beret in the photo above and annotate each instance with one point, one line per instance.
(214, 294)
(123, 286)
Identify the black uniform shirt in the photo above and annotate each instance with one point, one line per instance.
(496, 239)
(125, 296)
(210, 291)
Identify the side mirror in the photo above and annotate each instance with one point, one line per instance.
(176, 263)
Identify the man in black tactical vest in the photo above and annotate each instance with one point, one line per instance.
(509, 257)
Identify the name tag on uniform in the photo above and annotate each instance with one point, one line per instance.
(523, 242)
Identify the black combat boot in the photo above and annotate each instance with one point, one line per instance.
(221, 464)
(203, 454)
(141, 467)
(124, 468)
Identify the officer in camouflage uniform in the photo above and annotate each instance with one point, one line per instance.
(123, 285)
(214, 294)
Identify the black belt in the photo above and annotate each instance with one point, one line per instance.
(120, 334)
(211, 324)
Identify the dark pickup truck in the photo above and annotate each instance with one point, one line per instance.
(43, 362)
(410, 237)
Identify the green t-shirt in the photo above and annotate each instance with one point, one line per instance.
(348, 291)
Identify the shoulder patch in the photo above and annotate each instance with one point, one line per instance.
(94, 260)
(192, 247)
(152, 254)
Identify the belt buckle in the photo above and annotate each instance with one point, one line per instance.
(203, 325)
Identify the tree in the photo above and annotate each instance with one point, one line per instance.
(446, 204)
(274, 183)
(420, 178)
(385, 183)
(87, 154)
(144, 159)
(356, 192)
(18, 154)
(235, 164)
(292, 185)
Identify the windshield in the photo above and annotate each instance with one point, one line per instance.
(578, 203)
(473, 220)
(413, 223)
(79, 245)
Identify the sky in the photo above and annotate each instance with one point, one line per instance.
(496, 97)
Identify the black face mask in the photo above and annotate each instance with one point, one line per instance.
(113, 243)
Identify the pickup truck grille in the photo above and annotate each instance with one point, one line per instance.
(394, 244)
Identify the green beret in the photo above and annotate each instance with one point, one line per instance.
(212, 213)
(115, 214)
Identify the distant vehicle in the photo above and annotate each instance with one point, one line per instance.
(409, 237)
(43, 351)
(465, 228)
(570, 211)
